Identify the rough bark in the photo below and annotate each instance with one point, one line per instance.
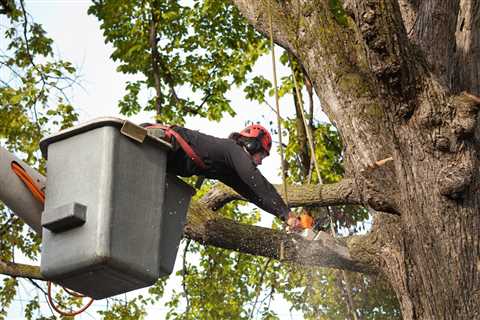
(391, 75)
(447, 32)
(347, 191)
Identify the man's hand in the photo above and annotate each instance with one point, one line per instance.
(293, 222)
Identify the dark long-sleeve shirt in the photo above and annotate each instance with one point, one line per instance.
(229, 163)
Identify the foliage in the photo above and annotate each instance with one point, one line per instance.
(7, 293)
(32, 84)
(32, 100)
(133, 309)
(221, 284)
(203, 48)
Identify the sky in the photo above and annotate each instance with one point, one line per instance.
(78, 39)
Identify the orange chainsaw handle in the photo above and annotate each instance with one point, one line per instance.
(306, 221)
(303, 221)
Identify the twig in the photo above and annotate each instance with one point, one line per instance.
(45, 295)
(42, 76)
(272, 291)
(153, 41)
(184, 274)
(260, 284)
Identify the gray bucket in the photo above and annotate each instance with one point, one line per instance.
(113, 218)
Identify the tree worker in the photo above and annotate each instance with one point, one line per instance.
(232, 161)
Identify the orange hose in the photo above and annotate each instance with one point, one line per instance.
(28, 181)
(73, 293)
(40, 196)
(62, 312)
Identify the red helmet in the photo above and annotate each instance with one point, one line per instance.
(259, 132)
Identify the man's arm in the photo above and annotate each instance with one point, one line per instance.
(251, 184)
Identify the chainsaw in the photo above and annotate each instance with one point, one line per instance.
(305, 226)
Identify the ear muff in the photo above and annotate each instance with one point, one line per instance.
(255, 145)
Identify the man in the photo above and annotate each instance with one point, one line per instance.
(232, 161)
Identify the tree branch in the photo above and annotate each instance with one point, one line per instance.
(256, 12)
(370, 191)
(20, 270)
(205, 227)
(343, 192)
(153, 42)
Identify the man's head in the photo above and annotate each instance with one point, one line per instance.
(256, 140)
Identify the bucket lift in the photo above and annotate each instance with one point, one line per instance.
(113, 218)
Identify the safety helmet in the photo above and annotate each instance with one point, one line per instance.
(261, 134)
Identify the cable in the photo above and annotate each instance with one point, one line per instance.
(279, 123)
(28, 181)
(62, 312)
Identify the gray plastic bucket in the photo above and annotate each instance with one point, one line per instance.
(113, 218)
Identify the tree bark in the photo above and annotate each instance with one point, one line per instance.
(344, 192)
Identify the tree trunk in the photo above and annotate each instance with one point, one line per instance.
(433, 257)
(390, 76)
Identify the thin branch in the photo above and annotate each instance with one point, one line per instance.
(205, 99)
(184, 274)
(34, 105)
(25, 35)
(268, 296)
(272, 108)
(42, 76)
(45, 295)
(38, 286)
(12, 70)
(258, 287)
(153, 41)
(209, 92)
